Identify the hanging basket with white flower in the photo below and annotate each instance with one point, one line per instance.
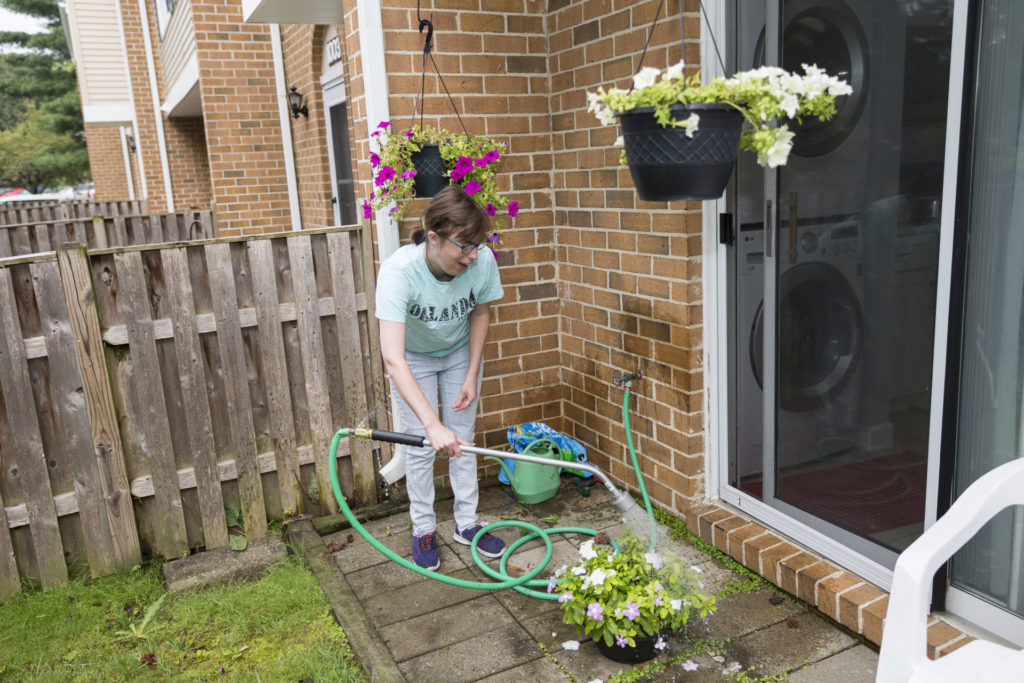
(680, 135)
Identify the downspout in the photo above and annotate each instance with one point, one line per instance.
(131, 100)
(375, 85)
(154, 94)
(286, 127)
(125, 153)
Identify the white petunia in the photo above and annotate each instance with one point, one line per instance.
(691, 125)
(646, 77)
(578, 570)
(571, 645)
(597, 578)
(606, 116)
(587, 551)
(789, 104)
(674, 72)
(619, 142)
(778, 153)
(676, 605)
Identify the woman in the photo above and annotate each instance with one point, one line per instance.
(433, 303)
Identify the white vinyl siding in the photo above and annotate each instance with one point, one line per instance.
(103, 75)
(178, 45)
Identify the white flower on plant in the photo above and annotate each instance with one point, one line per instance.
(587, 551)
(674, 72)
(596, 578)
(661, 644)
(690, 125)
(578, 570)
(676, 605)
(646, 77)
(655, 560)
(619, 142)
(561, 570)
(777, 154)
(790, 104)
(606, 116)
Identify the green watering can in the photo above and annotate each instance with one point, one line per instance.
(533, 482)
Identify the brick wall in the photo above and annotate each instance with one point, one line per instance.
(303, 47)
(629, 270)
(493, 63)
(106, 162)
(243, 134)
(188, 163)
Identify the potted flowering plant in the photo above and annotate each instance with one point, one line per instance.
(403, 159)
(630, 599)
(681, 135)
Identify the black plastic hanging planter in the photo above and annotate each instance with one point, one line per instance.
(666, 164)
(430, 171)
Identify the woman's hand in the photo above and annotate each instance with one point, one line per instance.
(444, 441)
(467, 394)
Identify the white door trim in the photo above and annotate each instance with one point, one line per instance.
(333, 91)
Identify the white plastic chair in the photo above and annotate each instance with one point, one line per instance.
(903, 655)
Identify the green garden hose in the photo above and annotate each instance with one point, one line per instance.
(620, 499)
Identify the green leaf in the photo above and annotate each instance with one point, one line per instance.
(232, 515)
(237, 542)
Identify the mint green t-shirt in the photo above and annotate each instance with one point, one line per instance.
(435, 313)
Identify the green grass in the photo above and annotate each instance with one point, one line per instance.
(126, 627)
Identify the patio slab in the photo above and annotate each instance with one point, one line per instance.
(432, 631)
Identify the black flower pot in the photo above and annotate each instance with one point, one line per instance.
(643, 651)
(430, 171)
(666, 164)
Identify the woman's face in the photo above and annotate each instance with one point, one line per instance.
(452, 255)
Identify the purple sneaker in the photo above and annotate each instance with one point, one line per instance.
(489, 545)
(424, 551)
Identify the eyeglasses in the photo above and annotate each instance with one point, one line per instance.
(466, 248)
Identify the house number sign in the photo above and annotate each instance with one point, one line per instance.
(333, 51)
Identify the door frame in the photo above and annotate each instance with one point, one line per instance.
(332, 87)
(716, 334)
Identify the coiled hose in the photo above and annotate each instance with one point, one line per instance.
(521, 584)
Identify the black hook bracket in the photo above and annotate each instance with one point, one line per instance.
(430, 34)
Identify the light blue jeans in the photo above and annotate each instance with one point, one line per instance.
(445, 374)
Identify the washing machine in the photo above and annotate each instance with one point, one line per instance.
(819, 347)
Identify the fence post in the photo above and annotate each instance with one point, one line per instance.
(76, 281)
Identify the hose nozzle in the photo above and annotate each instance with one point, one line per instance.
(622, 501)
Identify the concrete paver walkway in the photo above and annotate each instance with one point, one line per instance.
(425, 630)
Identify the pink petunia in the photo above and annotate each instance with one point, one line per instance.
(455, 175)
(366, 209)
(491, 209)
(408, 133)
(409, 174)
(374, 160)
(463, 166)
(376, 132)
(472, 187)
(481, 163)
(495, 237)
(386, 175)
(492, 156)
(383, 125)
(513, 209)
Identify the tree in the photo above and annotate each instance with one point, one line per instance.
(39, 99)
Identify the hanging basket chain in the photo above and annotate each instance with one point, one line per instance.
(428, 53)
(654, 23)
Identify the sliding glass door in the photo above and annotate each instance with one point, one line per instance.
(990, 402)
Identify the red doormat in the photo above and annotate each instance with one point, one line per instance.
(866, 497)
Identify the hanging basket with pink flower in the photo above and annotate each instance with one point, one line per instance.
(403, 169)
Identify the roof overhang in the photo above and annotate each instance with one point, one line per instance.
(292, 12)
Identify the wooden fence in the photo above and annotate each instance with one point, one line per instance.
(143, 388)
(16, 211)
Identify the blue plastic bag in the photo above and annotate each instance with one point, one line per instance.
(521, 436)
